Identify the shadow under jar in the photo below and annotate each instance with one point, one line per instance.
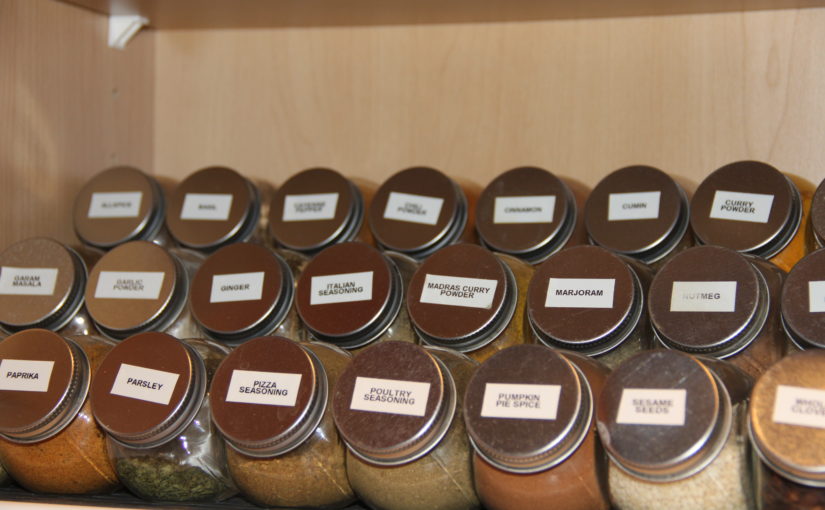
(150, 396)
(755, 209)
(140, 286)
(317, 208)
(352, 295)
(42, 285)
(803, 303)
(787, 428)
(674, 428)
(398, 408)
(529, 213)
(467, 298)
(529, 414)
(589, 300)
(49, 441)
(714, 301)
(271, 400)
(640, 212)
(246, 290)
(119, 205)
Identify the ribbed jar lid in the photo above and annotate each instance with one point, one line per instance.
(818, 213)
(803, 301)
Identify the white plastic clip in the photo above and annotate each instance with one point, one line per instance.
(123, 27)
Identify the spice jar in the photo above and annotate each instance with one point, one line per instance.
(590, 300)
(787, 430)
(351, 295)
(42, 283)
(270, 398)
(803, 302)
(529, 213)
(529, 413)
(419, 211)
(140, 286)
(150, 396)
(121, 204)
(216, 206)
(755, 209)
(397, 406)
(714, 301)
(818, 215)
(317, 208)
(466, 298)
(50, 442)
(674, 428)
(639, 211)
(246, 290)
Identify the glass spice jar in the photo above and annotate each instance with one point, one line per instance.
(803, 303)
(529, 414)
(352, 295)
(150, 396)
(466, 298)
(674, 428)
(714, 301)
(818, 215)
(787, 429)
(529, 213)
(753, 208)
(49, 441)
(246, 290)
(640, 212)
(270, 399)
(397, 406)
(140, 286)
(42, 283)
(122, 204)
(418, 211)
(589, 300)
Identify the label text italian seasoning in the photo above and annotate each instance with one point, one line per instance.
(341, 288)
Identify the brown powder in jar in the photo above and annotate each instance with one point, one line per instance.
(803, 242)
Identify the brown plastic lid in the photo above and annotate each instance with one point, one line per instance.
(755, 238)
(419, 239)
(119, 317)
(456, 324)
(388, 437)
(208, 234)
(666, 384)
(530, 241)
(241, 266)
(38, 400)
(803, 304)
(648, 239)
(40, 265)
(127, 398)
(268, 427)
(590, 330)
(349, 324)
(818, 214)
(519, 444)
(313, 235)
(787, 424)
(96, 227)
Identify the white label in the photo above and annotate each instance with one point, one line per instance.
(458, 291)
(310, 207)
(633, 206)
(703, 297)
(390, 396)
(144, 384)
(521, 401)
(27, 281)
(228, 288)
(25, 375)
(341, 288)
(799, 406)
(816, 297)
(413, 208)
(580, 293)
(652, 407)
(267, 388)
(115, 205)
(731, 205)
(129, 284)
(529, 209)
(206, 206)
